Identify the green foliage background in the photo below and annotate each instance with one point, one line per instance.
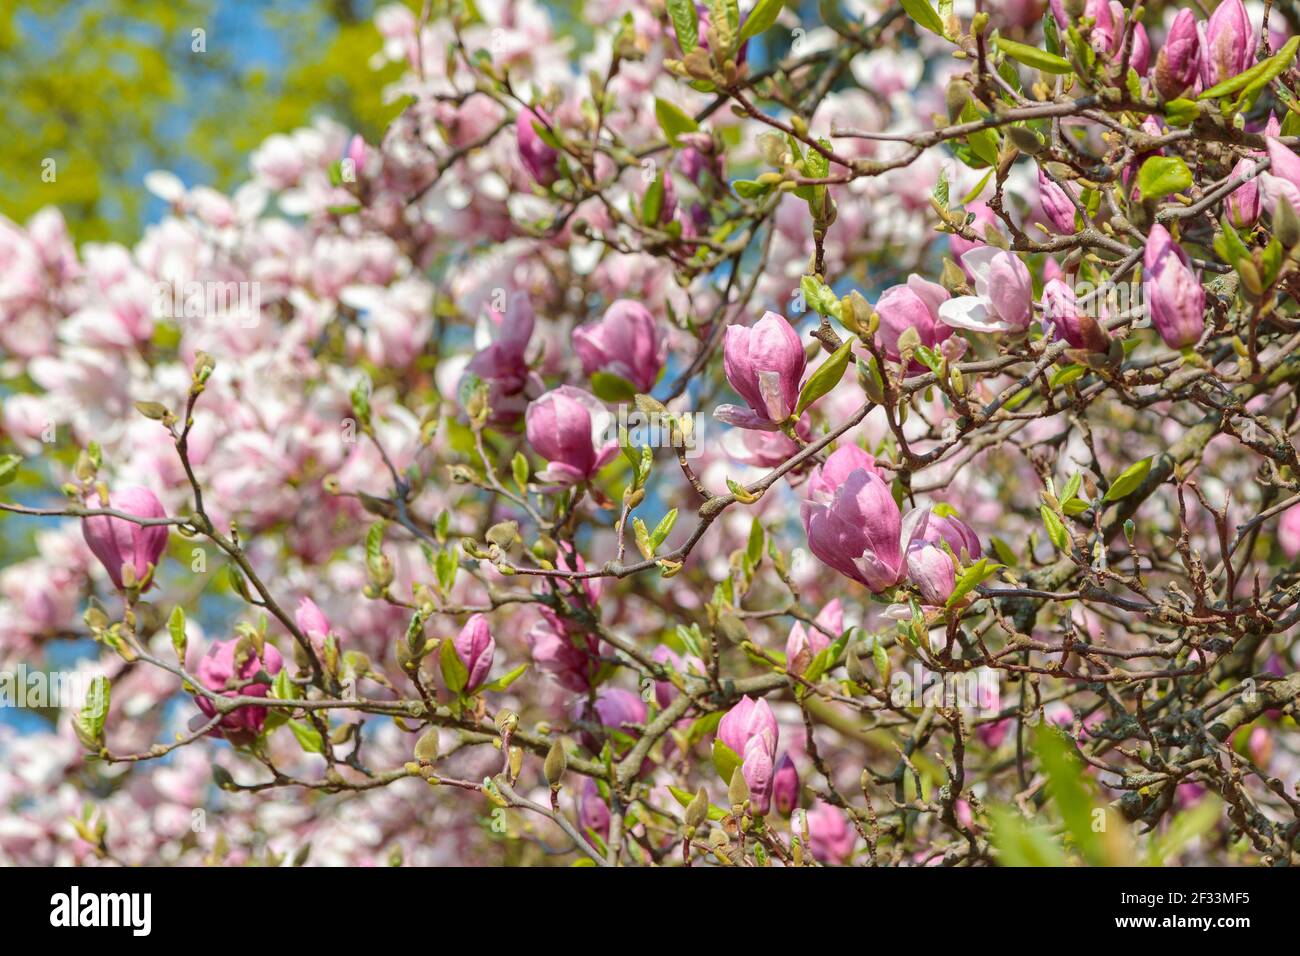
(110, 89)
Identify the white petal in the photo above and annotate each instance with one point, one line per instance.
(164, 185)
(970, 312)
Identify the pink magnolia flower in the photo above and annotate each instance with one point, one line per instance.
(1243, 203)
(593, 812)
(1004, 294)
(616, 709)
(1288, 532)
(311, 620)
(804, 644)
(235, 660)
(117, 542)
(764, 364)
(1227, 43)
(830, 836)
(1061, 314)
(927, 525)
(567, 427)
(749, 729)
(839, 464)
(626, 342)
(1172, 290)
(785, 786)
(503, 365)
(539, 158)
(1283, 179)
(933, 573)
(1179, 61)
(569, 658)
(1057, 207)
(858, 532)
(912, 306)
(475, 647)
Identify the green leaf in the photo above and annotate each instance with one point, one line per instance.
(1021, 844)
(654, 201)
(1067, 374)
(94, 710)
(970, 578)
(642, 535)
(612, 388)
(455, 675)
(176, 628)
(1128, 481)
(504, 681)
(1257, 77)
(754, 546)
(1004, 552)
(9, 468)
(761, 18)
(685, 23)
(1065, 785)
(1181, 112)
(445, 566)
(309, 738)
(375, 542)
(1034, 57)
(662, 529)
(749, 189)
(924, 15)
(826, 377)
(1161, 176)
(684, 797)
(984, 143)
(725, 760)
(673, 120)
(1056, 532)
(519, 471)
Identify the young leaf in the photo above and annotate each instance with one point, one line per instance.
(9, 468)
(308, 737)
(1161, 176)
(1056, 532)
(760, 18)
(725, 760)
(826, 377)
(924, 15)
(454, 673)
(673, 120)
(1032, 56)
(662, 530)
(1127, 482)
(685, 23)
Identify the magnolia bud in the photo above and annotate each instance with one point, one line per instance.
(738, 789)
(426, 748)
(556, 763)
(697, 810)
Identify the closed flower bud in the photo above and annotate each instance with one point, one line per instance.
(765, 365)
(475, 647)
(119, 543)
(1172, 291)
(1179, 61)
(626, 342)
(538, 157)
(785, 786)
(555, 764)
(1227, 43)
(567, 426)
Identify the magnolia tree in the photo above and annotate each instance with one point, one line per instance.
(740, 437)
